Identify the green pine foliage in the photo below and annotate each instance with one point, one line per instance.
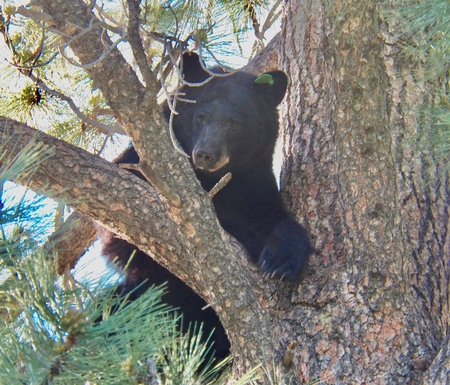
(56, 331)
(423, 31)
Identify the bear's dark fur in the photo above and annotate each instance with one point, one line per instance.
(231, 127)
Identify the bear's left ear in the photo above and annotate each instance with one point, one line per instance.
(193, 71)
(273, 84)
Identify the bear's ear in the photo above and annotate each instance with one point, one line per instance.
(274, 85)
(192, 69)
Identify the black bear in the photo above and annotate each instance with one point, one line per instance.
(231, 127)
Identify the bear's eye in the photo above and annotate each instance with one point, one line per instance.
(200, 119)
(235, 125)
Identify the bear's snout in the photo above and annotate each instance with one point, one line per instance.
(207, 159)
(203, 159)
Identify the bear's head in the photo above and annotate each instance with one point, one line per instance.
(230, 123)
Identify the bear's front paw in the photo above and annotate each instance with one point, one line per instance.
(286, 252)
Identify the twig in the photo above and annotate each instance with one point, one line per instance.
(104, 17)
(162, 187)
(220, 185)
(31, 67)
(177, 23)
(272, 16)
(180, 73)
(251, 12)
(59, 33)
(95, 62)
(227, 71)
(35, 15)
(84, 31)
(130, 166)
(105, 141)
(172, 106)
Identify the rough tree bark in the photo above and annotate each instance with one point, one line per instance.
(373, 306)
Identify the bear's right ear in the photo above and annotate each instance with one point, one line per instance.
(273, 84)
(192, 69)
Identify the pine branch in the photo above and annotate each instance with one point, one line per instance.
(250, 10)
(116, 27)
(135, 42)
(136, 106)
(103, 128)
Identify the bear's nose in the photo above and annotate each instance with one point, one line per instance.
(203, 159)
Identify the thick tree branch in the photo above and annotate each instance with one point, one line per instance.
(134, 39)
(188, 241)
(71, 240)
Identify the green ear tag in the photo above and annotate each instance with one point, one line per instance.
(265, 79)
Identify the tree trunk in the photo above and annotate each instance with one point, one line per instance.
(374, 308)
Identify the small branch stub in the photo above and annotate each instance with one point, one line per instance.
(220, 185)
(289, 354)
